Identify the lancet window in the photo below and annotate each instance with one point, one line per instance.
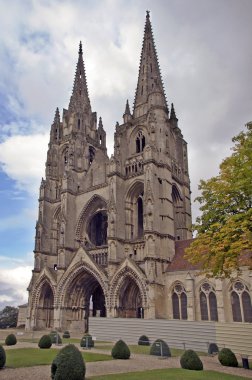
(241, 303)
(179, 302)
(208, 303)
(140, 142)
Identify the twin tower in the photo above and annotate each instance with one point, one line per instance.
(107, 227)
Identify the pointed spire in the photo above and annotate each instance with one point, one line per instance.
(149, 77)
(173, 114)
(79, 101)
(57, 116)
(127, 109)
(127, 115)
(100, 125)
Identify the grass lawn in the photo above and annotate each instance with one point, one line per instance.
(169, 374)
(136, 349)
(29, 357)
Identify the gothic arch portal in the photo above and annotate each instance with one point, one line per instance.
(129, 296)
(43, 303)
(82, 293)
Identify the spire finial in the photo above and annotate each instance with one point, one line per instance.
(80, 48)
(57, 116)
(147, 15)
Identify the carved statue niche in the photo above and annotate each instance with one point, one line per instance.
(37, 262)
(64, 206)
(62, 233)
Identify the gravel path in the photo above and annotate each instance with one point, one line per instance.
(135, 363)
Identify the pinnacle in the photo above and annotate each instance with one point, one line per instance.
(57, 116)
(173, 114)
(127, 109)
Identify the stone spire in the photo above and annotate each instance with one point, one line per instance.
(56, 131)
(149, 86)
(79, 101)
(173, 114)
(127, 114)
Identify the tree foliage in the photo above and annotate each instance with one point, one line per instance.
(224, 230)
(8, 317)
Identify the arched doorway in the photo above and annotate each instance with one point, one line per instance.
(84, 297)
(45, 307)
(129, 300)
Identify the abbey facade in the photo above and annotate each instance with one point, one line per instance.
(111, 232)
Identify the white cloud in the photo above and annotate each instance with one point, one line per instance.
(13, 285)
(23, 159)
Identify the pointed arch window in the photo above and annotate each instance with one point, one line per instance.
(208, 303)
(241, 303)
(179, 302)
(140, 142)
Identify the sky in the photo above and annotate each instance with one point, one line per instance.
(205, 56)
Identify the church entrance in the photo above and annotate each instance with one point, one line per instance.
(130, 302)
(84, 298)
(45, 308)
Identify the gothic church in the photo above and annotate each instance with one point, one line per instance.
(111, 232)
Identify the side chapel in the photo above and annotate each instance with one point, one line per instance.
(111, 232)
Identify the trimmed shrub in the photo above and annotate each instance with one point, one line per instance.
(2, 357)
(87, 341)
(45, 341)
(66, 334)
(120, 350)
(55, 338)
(68, 364)
(10, 340)
(213, 349)
(143, 341)
(160, 348)
(227, 358)
(190, 360)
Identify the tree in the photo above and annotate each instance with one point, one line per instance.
(224, 230)
(8, 317)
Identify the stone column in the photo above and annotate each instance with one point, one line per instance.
(190, 292)
(219, 299)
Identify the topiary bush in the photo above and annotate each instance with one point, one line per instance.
(87, 341)
(120, 350)
(213, 349)
(66, 334)
(227, 357)
(55, 338)
(45, 341)
(10, 340)
(160, 348)
(68, 364)
(2, 357)
(143, 341)
(190, 360)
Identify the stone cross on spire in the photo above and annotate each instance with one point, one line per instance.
(149, 86)
(79, 101)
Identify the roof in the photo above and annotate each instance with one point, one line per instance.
(179, 263)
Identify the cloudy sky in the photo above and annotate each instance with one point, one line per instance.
(205, 55)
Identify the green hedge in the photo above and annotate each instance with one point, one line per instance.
(87, 341)
(2, 357)
(227, 358)
(10, 340)
(45, 341)
(190, 360)
(143, 341)
(120, 350)
(68, 364)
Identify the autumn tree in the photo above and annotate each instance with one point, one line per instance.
(224, 230)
